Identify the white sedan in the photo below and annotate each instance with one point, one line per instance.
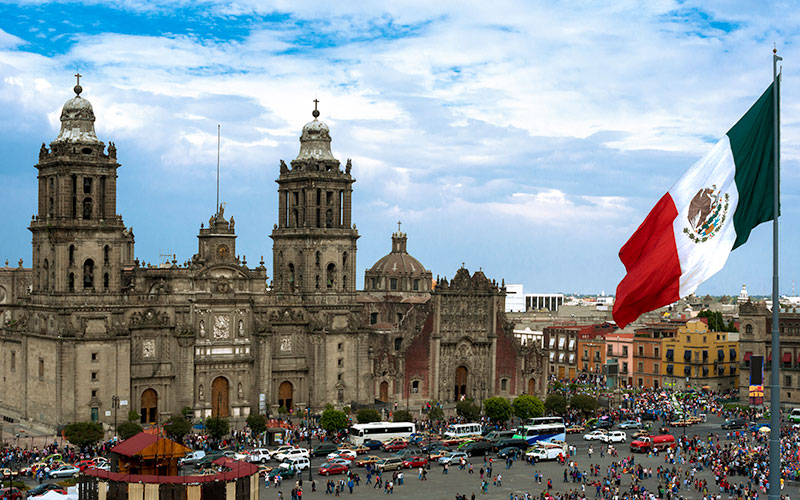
(614, 437)
(293, 453)
(346, 454)
(594, 435)
(65, 471)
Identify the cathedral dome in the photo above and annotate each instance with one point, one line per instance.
(398, 271)
(315, 141)
(77, 120)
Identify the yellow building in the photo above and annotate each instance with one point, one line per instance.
(697, 358)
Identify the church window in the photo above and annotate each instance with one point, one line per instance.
(340, 346)
(339, 377)
(88, 274)
(319, 202)
(105, 281)
(71, 255)
(504, 384)
(94, 356)
(415, 387)
(41, 368)
(329, 218)
(94, 376)
(71, 282)
(399, 317)
(344, 282)
(87, 185)
(373, 318)
(748, 329)
(344, 259)
(340, 395)
(316, 259)
(102, 207)
(416, 285)
(291, 276)
(51, 207)
(393, 283)
(294, 220)
(341, 207)
(74, 197)
(13, 361)
(331, 275)
(46, 274)
(398, 343)
(340, 362)
(106, 255)
(373, 282)
(87, 208)
(94, 393)
(316, 285)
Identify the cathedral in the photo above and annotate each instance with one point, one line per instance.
(88, 331)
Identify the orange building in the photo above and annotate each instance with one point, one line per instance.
(647, 351)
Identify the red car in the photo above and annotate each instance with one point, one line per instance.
(10, 494)
(415, 462)
(84, 464)
(394, 445)
(328, 468)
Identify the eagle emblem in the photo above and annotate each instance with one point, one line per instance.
(707, 213)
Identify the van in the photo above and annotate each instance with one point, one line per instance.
(660, 442)
(794, 416)
(498, 435)
(297, 463)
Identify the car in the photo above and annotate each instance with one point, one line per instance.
(405, 453)
(478, 448)
(594, 436)
(301, 462)
(463, 444)
(735, 423)
(341, 461)
(614, 437)
(264, 470)
(520, 443)
(630, 424)
(259, 455)
(389, 464)
(65, 471)
(603, 423)
(415, 462)
(359, 450)
(192, 457)
(453, 457)
(345, 454)
(8, 474)
(294, 452)
(329, 468)
(285, 473)
(395, 445)
(44, 488)
(373, 444)
(509, 451)
(324, 449)
(242, 455)
(282, 449)
(84, 464)
(575, 429)
(207, 460)
(369, 459)
(11, 494)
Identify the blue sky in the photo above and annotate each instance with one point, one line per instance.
(527, 139)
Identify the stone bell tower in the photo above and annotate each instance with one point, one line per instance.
(80, 244)
(314, 250)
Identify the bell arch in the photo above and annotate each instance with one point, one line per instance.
(286, 394)
(149, 407)
(220, 397)
(460, 386)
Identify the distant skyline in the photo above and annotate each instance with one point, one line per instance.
(528, 141)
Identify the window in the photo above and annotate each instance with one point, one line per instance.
(610, 349)
(641, 382)
(656, 352)
(748, 329)
(624, 367)
(398, 343)
(373, 318)
(393, 284)
(94, 376)
(586, 353)
(94, 393)
(340, 395)
(340, 346)
(87, 208)
(705, 341)
(640, 368)
(504, 384)
(787, 381)
(624, 350)
(88, 274)
(71, 282)
(339, 377)
(71, 255)
(106, 255)
(340, 362)
(656, 368)
(87, 185)
(106, 279)
(641, 350)
(415, 387)
(94, 356)
(41, 368)
(399, 318)
(416, 285)
(13, 361)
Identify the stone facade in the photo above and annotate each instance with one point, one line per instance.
(88, 324)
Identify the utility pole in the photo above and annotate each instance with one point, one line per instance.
(115, 405)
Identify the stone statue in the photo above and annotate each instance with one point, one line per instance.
(241, 328)
(284, 167)
(202, 329)
(348, 166)
(221, 212)
(232, 223)
(201, 393)
(239, 391)
(42, 151)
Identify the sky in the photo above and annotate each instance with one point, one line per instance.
(526, 139)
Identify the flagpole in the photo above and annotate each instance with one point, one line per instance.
(775, 384)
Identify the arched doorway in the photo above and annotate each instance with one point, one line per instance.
(219, 397)
(149, 407)
(460, 389)
(285, 394)
(531, 386)
(383, 394)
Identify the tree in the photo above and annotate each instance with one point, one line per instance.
(498, 409)
(584, 403)
(333, 420)
(133, 416)
(257, 422)
(177, 427)
(556, 403)
(217, 427)
(436, 414)
(468, 410)
(187, 413)
(128, 429)
(83, 434)
(527, 406)
(402, 416)
(367, 415)
(282, 410)
(715, 321)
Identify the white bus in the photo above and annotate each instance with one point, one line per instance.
(381, 431)
(462, 430)
(543, 429)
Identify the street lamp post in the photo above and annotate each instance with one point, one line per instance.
(308, 431)
(115, 405)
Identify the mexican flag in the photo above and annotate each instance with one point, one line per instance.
(687, 236)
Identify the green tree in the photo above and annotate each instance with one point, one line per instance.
(257, 422)
(187, 413)
(436, 414)
(333, 420)
(282, 410)
(556, 403)
(715, 321)
(468, 410)
(496, 408)
(402, 416)
(128, 429)
(133, 416)
(584, 403)
(527, 406)
(177, 427)
(367, 415)
(217, 427)
(83, 434)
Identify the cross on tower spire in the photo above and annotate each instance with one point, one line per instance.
(78, 76)
(398, 226)
(77, 88)
(315, 113)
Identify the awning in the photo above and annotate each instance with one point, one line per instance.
(747, 356)
(720, 354)
(670, 354)
(733, 354)
(687, 355)
(687, 370)
(787, 357)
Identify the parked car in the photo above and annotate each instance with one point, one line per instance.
(509, 451)
(405, 453)
(660, 442)
(546, 452)
(8, 474)
(594, 436)
(65, 471)
(260, 455)
(329, 468)
(389, 464)
(340, 461)
(44, 488)
(630, 424)
(324, 449)
(415, 462)
(373, 444)
(207, 460)
(614, 437)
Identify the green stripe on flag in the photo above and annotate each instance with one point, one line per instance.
(752, 142)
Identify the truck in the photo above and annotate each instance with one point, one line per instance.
(660, 442)
(547, 451)
(794, 416)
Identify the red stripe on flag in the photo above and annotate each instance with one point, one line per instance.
(651, 259)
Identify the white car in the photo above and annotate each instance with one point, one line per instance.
(614, 437)
(65, 471)
(297, 463)
(242, 455)
(293, 453)
(346, 454)
(594, 435)
(260, 455)
(453, 457)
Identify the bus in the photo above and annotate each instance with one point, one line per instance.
(543, 430)
(381, 431)
(463, 430)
